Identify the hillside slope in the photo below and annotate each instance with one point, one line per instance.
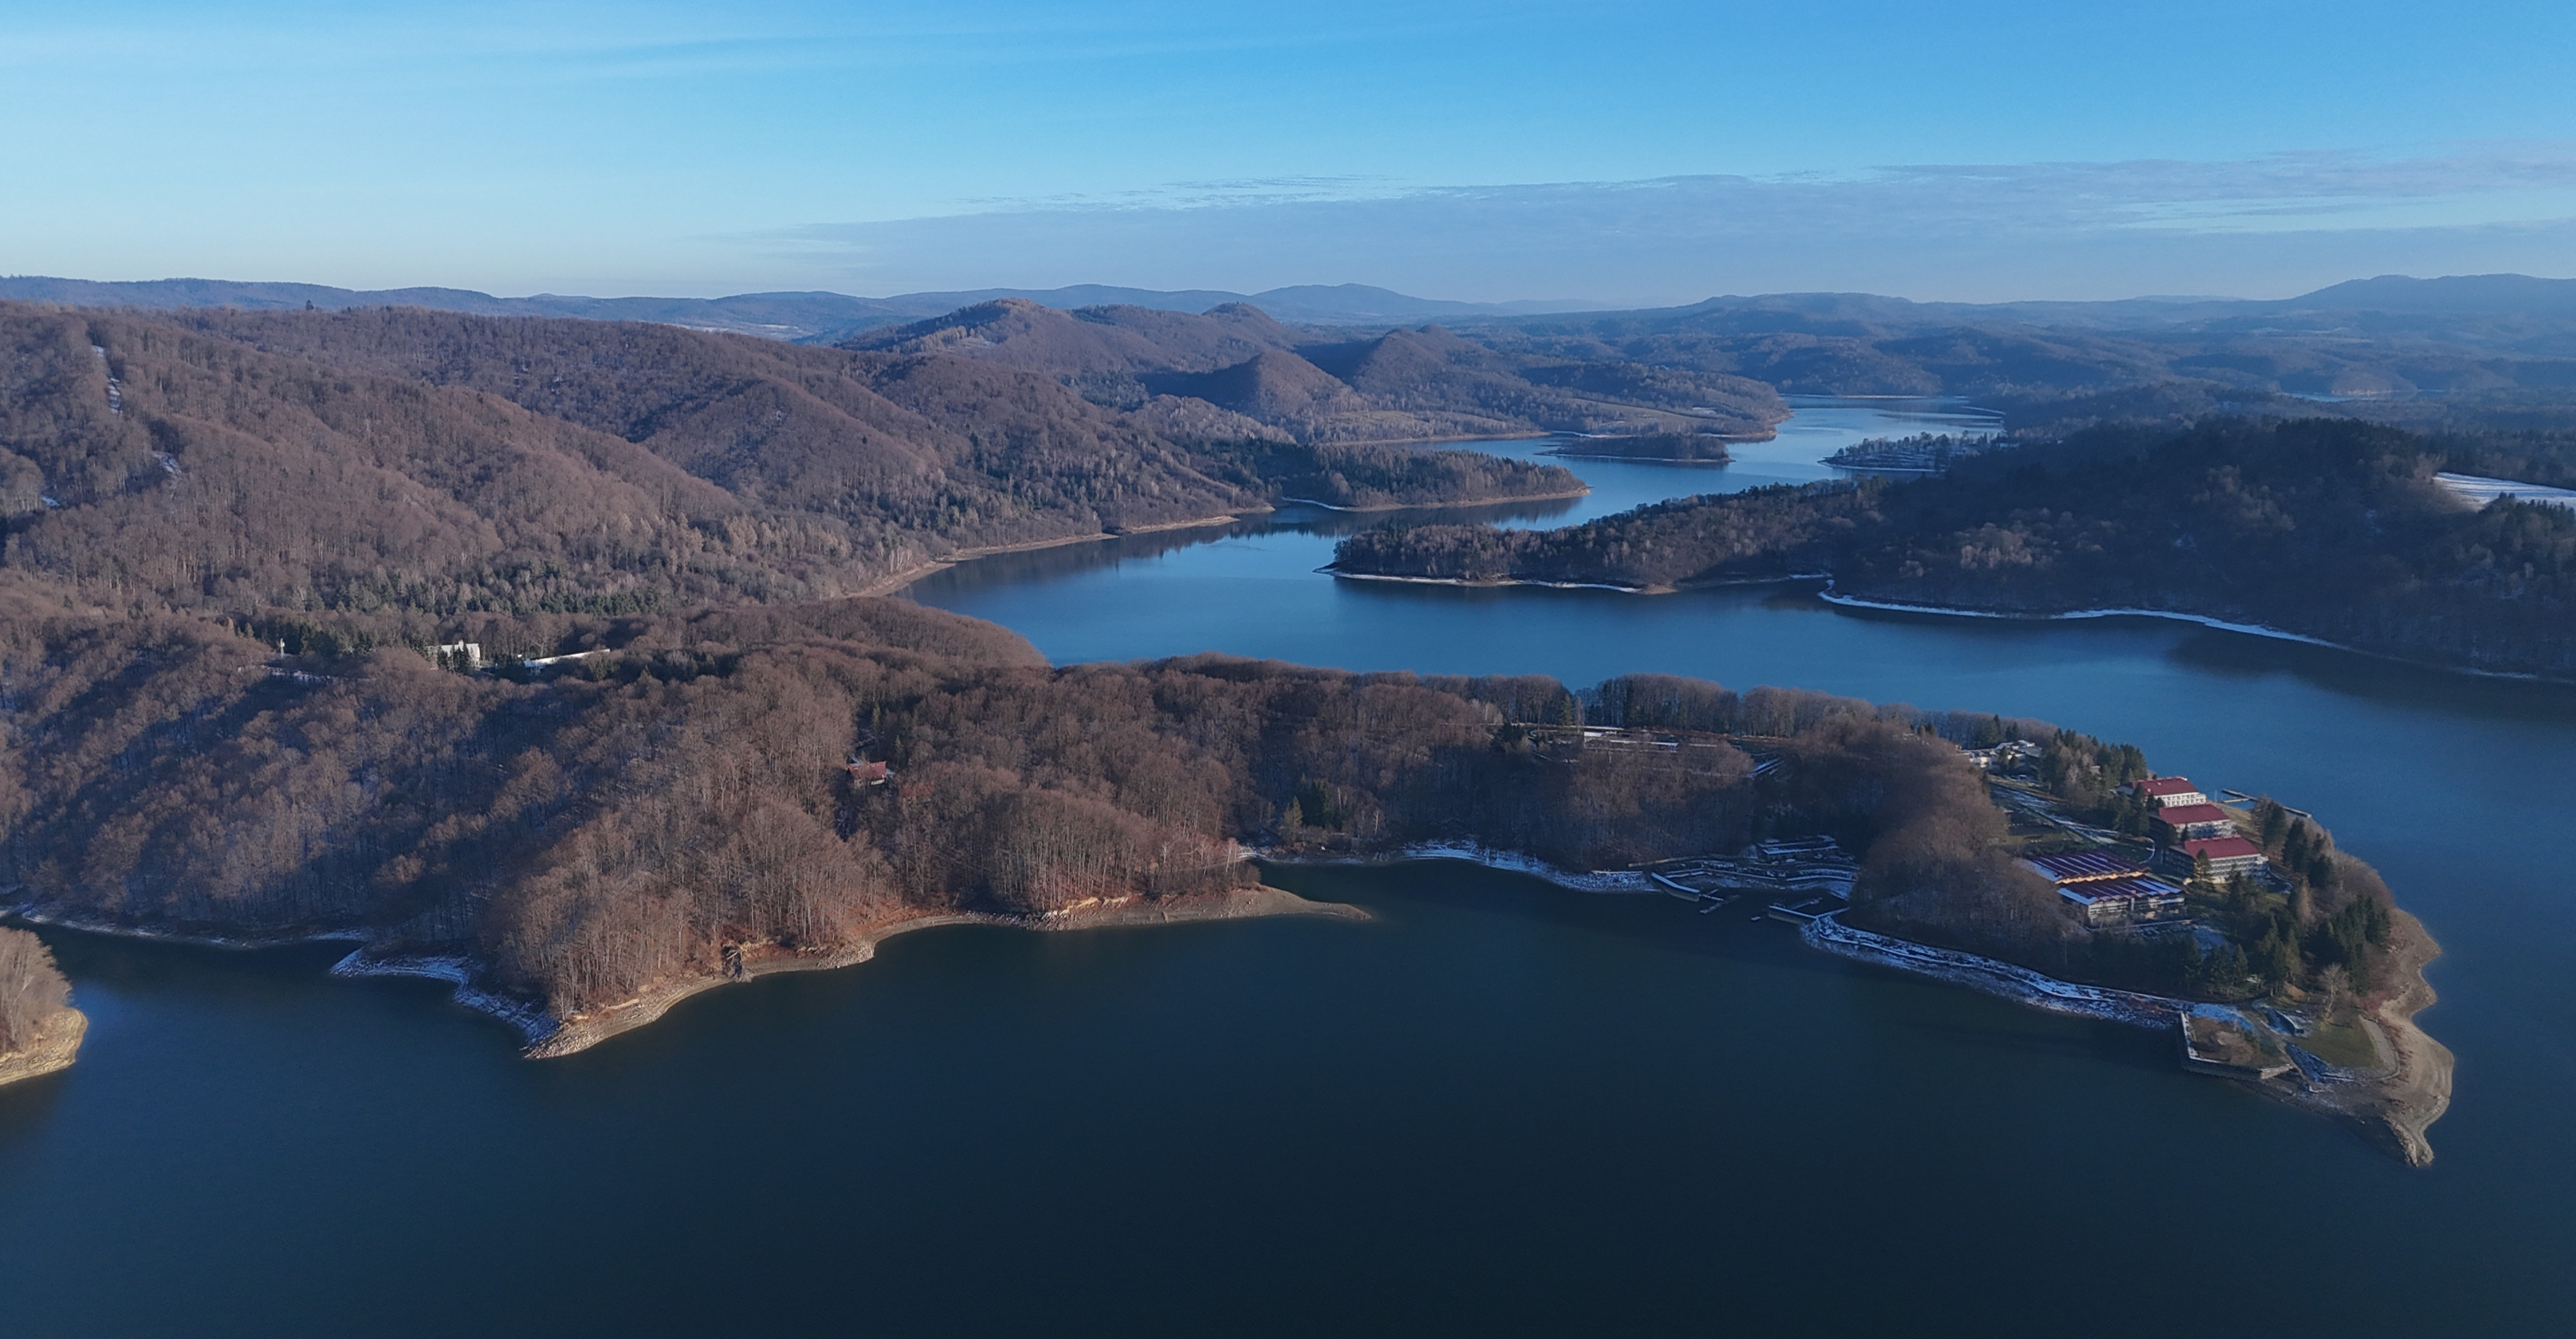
(392, 459)
(1402, 385)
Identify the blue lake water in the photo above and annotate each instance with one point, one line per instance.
(1499, 1108)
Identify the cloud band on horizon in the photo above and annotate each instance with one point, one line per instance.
(2265, 227)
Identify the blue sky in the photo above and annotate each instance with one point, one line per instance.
(1629, 153)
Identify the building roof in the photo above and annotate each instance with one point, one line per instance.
(2179, 815)
(2101, 889)
(2083, 866)
(2155, 787)
(2221, 848)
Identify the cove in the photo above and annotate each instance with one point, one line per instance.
(1498, 1108)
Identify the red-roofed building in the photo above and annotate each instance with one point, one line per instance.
(2072, 867)
(2227, 856)
(2166, 791)
(2187, 822)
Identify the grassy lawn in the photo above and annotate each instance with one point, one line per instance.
(2341, 1042)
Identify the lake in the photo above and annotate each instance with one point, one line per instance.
(1498, 1108)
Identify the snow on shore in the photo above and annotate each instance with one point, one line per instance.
(2018, 984)
(2222, 625)
(535, 1023)
(1592, 881)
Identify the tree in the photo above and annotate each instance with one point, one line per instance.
(2337, 985)
(32, 989)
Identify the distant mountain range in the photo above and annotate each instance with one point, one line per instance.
(1313, 363)
(832, 317)
(812, 317)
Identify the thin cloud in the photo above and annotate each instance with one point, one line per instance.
(1950, 230)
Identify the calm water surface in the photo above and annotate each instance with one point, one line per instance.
(1498, 1108)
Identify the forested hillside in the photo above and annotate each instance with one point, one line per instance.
(406, 460)
(591, 834)
(2328, 528)
(1402, 385)
(2445, 355)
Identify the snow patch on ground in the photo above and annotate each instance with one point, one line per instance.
(2018, 984)
(534, 1023)
(2482, 490)
(1591, 881)
(2250, 629)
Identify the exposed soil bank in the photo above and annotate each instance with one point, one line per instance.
(55, 1048)
(580, 1032)
(2412, 1087)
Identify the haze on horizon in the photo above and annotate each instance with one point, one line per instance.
(1654, 154)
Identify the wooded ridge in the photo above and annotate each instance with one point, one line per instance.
(709, 785)
(2327, 528)
(400, 460)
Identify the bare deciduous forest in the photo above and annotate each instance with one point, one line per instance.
(591, 832)
(2329, 528)
(32, 989)
(235, 544)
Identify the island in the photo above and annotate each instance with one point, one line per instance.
(39, 1030)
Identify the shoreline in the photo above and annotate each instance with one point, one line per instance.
(1593, 881)
(546, 1037)
(30, 913)
(1584, 491)
(1471, 584)
(2204, 620)
(1842, 601)
(55, 1049)
(2392, 1105)
(1640, 460)
(888, 585)
(580, 1032)
(1497, 583)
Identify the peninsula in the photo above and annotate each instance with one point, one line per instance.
(660, 804)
